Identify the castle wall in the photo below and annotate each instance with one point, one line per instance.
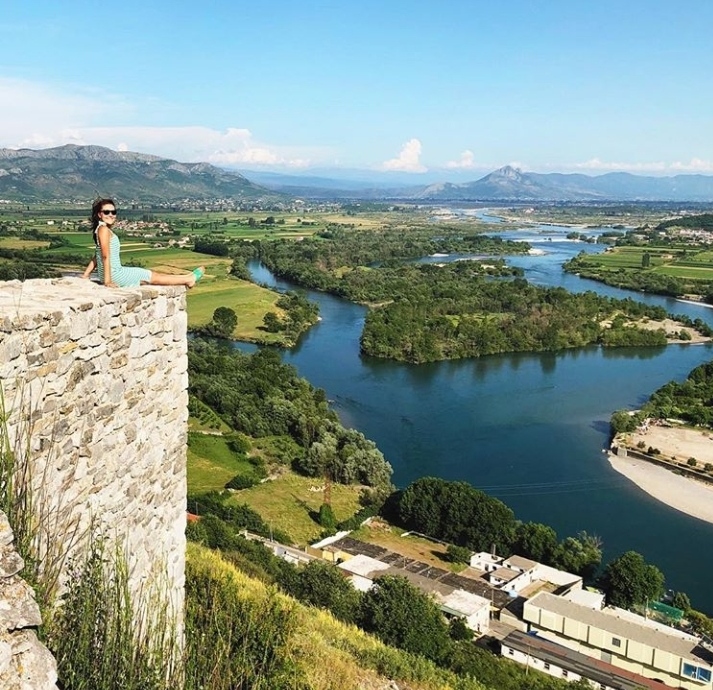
(24, 662)
(95, 382)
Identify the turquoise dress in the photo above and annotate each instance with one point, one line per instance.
(123, 276)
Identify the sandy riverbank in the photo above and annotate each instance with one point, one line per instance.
(687, 495)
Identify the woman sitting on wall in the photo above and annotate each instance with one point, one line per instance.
(107, 258)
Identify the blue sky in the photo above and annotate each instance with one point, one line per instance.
(447, 88)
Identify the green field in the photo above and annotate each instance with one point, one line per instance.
(211, 464)
(681, 263)
(290, 502)
(249, 301)
(687, 272)
(287, 501)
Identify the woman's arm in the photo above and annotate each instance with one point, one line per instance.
(90, 267)
(104, 238)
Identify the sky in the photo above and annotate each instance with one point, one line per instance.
(450, 89)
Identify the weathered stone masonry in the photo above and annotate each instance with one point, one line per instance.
(25, 664)
(95, 385)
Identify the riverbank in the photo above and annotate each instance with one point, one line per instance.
(681, 493)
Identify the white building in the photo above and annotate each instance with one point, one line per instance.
(362, 570)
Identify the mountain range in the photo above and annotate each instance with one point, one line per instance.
(71, 173)
(505, 184)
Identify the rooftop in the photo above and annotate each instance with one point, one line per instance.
(520, 562)
(594, 669)
(675, 642)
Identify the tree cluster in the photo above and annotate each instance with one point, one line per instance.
(210, 246)
(260, 396)
(690, 401)
(429, 312)
(464, 516)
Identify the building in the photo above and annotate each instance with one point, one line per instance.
(534, 651)
(362, 570)
(622, 639)
(517, 574)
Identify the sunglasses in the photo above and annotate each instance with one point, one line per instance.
(111, 212)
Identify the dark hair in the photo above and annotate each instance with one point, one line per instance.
(96, 210)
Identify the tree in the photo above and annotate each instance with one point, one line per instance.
(535, 540)
(271, 322)
(224, 322)
(402, 616)
(681, 601)
(458, 630)
(458, 513)
(322, 584)
(458, 554)
(580, 555)
(326, 517)
(630, 580)
(622, 421)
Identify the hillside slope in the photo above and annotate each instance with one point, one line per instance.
(324, 654)
(70, 173)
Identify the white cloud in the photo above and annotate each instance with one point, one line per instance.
(694, 165)
(34, 114)
(465, 162)
(39, 116)
(408, 160)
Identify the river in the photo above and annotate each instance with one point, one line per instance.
(529, 429)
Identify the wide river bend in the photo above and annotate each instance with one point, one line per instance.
(529, 429)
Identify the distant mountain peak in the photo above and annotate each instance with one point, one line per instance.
(507, 171)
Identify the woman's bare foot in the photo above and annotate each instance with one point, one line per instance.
(195, 275)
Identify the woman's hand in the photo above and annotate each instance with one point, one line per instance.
(111, 283)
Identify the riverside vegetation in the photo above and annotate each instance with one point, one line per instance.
(425, 313)
(396, 612)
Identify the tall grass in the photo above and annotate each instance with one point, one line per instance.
(234, 642)
(103, 639)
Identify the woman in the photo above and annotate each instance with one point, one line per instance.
(107, 259)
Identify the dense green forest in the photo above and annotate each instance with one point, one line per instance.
(427, 312)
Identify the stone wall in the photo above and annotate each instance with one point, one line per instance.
(95, 392)
(25, 664)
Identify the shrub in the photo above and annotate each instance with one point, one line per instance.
(458, 554)
(242, 481)
(326, 517)
(239, 443)
(691, 462)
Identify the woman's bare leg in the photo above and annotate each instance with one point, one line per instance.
(187, 279)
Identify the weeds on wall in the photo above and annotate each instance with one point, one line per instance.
(104, 640)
